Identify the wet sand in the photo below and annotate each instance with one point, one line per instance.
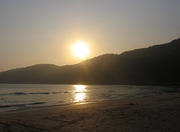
(148, 114)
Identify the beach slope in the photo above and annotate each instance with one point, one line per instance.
(147, 114)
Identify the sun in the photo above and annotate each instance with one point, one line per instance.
(80, 49)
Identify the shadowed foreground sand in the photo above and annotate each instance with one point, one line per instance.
(149, 114)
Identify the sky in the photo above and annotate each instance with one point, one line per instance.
(41, 31)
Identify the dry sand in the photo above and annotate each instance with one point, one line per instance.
(148, 114)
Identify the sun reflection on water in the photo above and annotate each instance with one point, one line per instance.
(79, 93)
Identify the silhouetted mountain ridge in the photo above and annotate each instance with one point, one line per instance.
(155, 65)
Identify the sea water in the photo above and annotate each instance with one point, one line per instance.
(25, 96)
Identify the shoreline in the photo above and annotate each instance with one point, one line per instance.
(79, 103)
(159, 113)
(8, 104)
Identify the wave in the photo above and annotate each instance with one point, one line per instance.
(23, 93)
(21, 105)
(31, 93)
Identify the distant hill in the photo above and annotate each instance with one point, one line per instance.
(156, 65)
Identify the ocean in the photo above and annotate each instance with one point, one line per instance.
(14, 97)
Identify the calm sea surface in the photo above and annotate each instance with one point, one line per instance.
(25, 96)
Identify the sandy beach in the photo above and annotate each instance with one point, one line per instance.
(147, 114)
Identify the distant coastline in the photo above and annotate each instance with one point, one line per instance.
(155, 65)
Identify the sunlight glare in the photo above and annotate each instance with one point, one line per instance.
(80, 49)
(80, 93)
(79, 97)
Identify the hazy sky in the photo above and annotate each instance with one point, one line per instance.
(41, 31)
